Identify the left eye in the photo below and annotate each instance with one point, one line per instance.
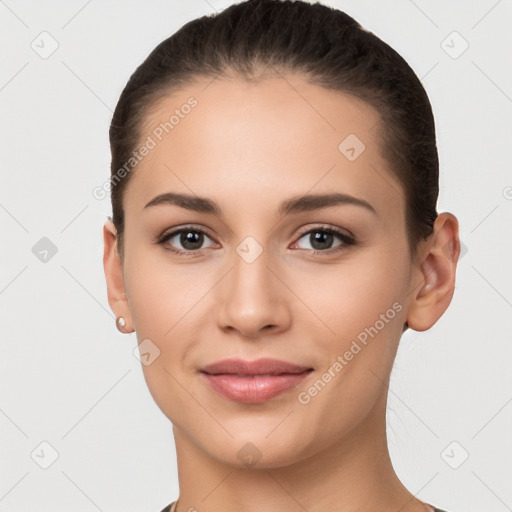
(322, 237)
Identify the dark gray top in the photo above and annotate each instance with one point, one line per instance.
(168, 508)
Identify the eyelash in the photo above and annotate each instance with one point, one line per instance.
(346, 239)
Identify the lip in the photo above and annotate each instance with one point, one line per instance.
(253, 381)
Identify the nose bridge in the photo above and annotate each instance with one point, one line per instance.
(252, 296)
(251, 277)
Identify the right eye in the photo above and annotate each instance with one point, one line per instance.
(191, 239)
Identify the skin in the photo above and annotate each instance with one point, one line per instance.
(249, 146)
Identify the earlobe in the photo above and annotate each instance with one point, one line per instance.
(113, 267)
(435, 274)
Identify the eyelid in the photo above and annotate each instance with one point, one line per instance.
(326, 227)
(178, 229)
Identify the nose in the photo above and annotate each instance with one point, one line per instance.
(252, 299)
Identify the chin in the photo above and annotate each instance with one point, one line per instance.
(260, 450)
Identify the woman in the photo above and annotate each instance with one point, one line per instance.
(274, 232)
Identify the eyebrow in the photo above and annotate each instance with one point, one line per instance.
(294, 205)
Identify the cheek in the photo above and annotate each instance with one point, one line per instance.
(348, 298)
(362, 307)
(363, 310)
(162, 301)
(160, 293)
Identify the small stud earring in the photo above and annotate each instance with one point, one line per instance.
(120, 323)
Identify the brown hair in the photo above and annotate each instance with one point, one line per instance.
(328, 47)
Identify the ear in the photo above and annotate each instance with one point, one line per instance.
(113, 267)
(434, 280)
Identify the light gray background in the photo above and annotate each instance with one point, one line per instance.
(68, 378)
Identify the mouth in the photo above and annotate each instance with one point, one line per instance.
(253, 381)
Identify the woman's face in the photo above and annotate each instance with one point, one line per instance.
(252, 286)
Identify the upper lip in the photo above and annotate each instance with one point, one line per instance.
(262, 366)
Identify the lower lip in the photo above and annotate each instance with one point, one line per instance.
(251, 390)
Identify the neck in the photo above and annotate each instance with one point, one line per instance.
(354, 474)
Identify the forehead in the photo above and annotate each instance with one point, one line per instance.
(273, 137)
